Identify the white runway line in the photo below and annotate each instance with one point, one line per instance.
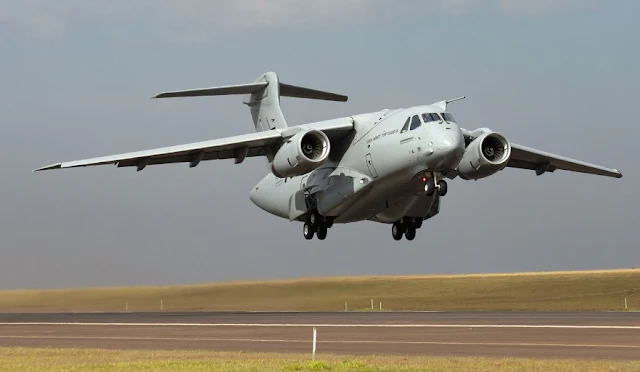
(502, 344)
(320, 325)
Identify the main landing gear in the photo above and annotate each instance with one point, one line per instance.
(407, 227)
(316, 224)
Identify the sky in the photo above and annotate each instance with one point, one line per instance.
(76, 78)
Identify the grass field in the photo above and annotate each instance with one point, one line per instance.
(549, 291)
(32, 360)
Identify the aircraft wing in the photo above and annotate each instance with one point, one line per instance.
(528, 158)
(236, 147)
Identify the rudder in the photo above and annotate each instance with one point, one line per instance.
(265, 104)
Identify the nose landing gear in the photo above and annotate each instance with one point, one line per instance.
(442, 187)
(430, 185)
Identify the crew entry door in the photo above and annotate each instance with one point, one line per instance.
(372, 169)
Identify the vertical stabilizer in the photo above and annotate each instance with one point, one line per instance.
(263, 98)
(265, 104)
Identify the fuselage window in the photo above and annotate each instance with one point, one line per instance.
(415, 122)
(448, 117)
(406, 125)
(428, 118)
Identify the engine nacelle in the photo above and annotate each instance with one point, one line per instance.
(485, 155)
(304, 152)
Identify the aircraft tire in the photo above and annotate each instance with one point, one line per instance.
(430, 187)
(397, 230)
(322, 232)
(410, 234)
(417, 222)
(313, 218)
(442, 187)
(307, 231)
(328, 222)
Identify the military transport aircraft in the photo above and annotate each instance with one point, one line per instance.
(387, 166)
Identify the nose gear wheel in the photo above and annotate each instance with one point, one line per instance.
(442, 187)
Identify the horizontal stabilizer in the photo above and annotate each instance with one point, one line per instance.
(283, 90)
(287, 90)
(216, 91)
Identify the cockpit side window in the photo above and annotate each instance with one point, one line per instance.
(428, 118)
(415, 122)
(406, 125)
(448, 117)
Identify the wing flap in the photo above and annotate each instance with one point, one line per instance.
(238, 147)
(528, 158)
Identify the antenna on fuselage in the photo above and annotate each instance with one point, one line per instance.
(443, 104)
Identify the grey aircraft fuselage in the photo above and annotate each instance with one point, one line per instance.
(386, 161)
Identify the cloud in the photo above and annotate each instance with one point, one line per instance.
(188, 19)
(197, 20)
(458, 6)
(541, 6)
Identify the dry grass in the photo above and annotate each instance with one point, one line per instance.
(32, 360)
(547, 291)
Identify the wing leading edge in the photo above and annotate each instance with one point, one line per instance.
(540, 161)
(236, 147)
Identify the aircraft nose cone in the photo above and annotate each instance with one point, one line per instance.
(447, 140)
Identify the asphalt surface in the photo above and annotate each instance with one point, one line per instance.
(511, 334)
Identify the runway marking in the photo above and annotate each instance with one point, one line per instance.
(501, 344)
(321, 325)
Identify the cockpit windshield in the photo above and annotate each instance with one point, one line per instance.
(427, 118)
(448, 117)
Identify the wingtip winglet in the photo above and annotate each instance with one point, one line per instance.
(52, 166)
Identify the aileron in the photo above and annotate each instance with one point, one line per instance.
(540, 161)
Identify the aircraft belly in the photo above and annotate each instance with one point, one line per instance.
(342, 189)
(395, 211)
(382, 196)
(421, 206)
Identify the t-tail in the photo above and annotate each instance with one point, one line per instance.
(263, 98)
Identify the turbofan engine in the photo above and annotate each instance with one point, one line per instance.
(301, 154)
(485, 155)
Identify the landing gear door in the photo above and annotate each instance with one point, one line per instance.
(372, 169)
(297, 205)
(435, 207)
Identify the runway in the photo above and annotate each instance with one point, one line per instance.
(503, 334)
